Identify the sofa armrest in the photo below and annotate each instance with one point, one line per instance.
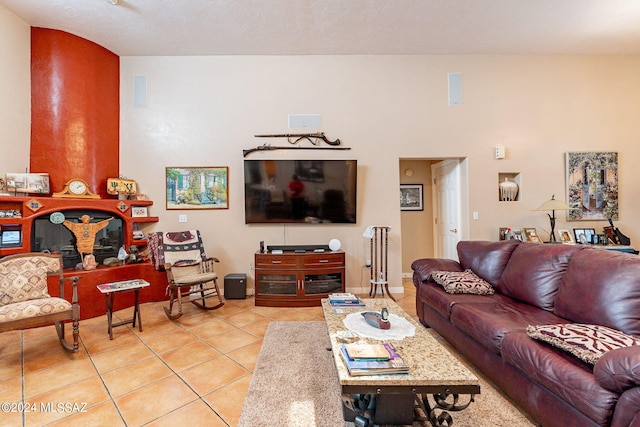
(422, 268)
(619, 370)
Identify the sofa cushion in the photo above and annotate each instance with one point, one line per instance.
(422, 268)
(534, 273)
(33, 308)
(462, 282)
(602, 287)
(486, 259)
(587, 342)
(561, 373)
(489, 323)
(619, 370)
(437, 298)
(18, 285)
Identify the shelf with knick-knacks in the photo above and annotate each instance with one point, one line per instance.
(509, 186)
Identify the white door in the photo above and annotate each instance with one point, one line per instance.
(446, 208)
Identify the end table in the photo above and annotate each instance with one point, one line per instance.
(111, 289)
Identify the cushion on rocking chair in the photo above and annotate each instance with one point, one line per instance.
(33, 308)
(196, 278)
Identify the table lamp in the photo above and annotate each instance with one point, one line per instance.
(553, 205)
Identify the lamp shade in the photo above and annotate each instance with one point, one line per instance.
(553, 205)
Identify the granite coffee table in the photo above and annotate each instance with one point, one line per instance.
(436, 382)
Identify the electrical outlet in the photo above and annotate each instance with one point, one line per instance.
(182, 218)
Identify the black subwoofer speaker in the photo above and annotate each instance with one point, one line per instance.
(235, 286)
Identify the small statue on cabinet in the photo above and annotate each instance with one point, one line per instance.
(134, 255)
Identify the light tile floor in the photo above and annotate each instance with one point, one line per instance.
(194, 371)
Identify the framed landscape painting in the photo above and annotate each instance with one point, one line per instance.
(197, 187)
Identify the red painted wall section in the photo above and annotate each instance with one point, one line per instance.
(75, 110)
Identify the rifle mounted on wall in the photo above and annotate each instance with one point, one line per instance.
(294, 138)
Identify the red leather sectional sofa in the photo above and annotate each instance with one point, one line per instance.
(540, 284)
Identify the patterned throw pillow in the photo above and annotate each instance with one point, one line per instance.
(586, 342)
(462, 282)
(22, 285)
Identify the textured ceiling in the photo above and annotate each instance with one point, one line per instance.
(325, 27)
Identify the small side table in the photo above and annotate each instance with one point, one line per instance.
(111, 289)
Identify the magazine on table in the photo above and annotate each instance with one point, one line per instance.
(345, 300)
(395, 364)
(122, 286)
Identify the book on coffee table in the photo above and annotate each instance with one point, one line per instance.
(342, 297)
(361, 367)
(345, 300)
(358, 351)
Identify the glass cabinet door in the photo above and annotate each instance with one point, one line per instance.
(322, 283)
(277, 284)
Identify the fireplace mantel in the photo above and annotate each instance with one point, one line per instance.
(33, 207)
(91, 301)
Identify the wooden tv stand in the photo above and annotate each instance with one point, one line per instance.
(298, 279)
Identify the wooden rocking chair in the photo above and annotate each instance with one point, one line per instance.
(25, 301)
(194, 280)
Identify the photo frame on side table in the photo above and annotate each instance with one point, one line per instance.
(564, 236)
(584, 235)
(139, 211)
(204, 187)
(411, 197)
(28, 183)
(504, 233)
(517, 234)
(531, 235)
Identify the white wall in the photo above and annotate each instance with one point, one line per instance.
(15, 93)
(203, 111)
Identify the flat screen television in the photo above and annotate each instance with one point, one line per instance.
(300, 191)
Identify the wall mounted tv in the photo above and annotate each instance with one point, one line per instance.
(300, 191)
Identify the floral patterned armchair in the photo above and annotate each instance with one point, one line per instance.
(24, 298)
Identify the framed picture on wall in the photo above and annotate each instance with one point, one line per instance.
(592, 185)
(411, 197)
(202, 187)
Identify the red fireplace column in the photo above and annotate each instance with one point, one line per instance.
(75, 109)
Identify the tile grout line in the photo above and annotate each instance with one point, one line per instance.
(199, 397)
(24, 414)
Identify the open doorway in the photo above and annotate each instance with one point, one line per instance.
(418, 227)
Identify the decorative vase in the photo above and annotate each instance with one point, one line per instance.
(508, 190)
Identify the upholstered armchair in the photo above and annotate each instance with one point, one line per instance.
(24, 298)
